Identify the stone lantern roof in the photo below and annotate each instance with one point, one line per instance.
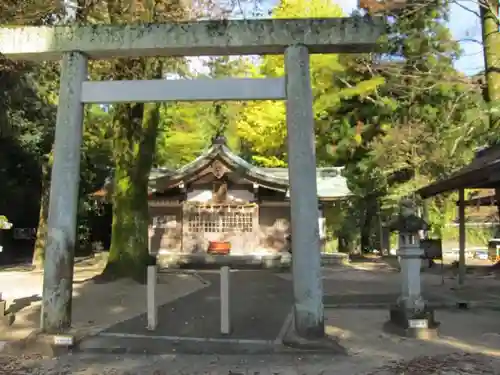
(408, 224)
(407, 220)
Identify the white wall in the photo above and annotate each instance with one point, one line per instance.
(205, 195)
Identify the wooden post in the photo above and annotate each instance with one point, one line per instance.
(3, 306)
(425, 215)
(225, 323)
(151, 299)
(461, 236)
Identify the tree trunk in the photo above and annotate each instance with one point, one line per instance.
(497, 200)
(366, 227)
(41, 233)
(134, 142)
(346, 244)
(491, 48)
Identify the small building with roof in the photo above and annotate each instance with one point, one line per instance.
(482, 173)
(219, 198)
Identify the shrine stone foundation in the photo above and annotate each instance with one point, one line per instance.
(75, 45)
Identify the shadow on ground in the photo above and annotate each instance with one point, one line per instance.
(260, 303)
(21, 303)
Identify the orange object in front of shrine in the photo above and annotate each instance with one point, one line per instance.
(219, 247)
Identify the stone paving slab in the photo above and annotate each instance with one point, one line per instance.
(260, 303)
(365, 298)
(473, 294)
(433, 300)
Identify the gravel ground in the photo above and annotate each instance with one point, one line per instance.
(85, 364)
(445, 364)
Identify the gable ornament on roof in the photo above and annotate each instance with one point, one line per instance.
(218, 169)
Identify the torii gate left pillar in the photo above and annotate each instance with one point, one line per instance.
(63, 207)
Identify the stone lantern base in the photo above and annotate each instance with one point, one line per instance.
(407, 323)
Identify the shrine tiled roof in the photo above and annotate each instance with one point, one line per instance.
(331, 184)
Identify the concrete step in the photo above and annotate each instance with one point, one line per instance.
(138, 344)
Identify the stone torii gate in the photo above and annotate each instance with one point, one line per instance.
(75, 45)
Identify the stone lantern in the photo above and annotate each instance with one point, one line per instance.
(410, 316)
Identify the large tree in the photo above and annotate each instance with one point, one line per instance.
(491, 40)
(135, 128)
(262, 126)
(27, 118)
(96, 158)
(128, 130)
(428, 115)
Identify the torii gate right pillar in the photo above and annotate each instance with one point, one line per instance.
(306, 257)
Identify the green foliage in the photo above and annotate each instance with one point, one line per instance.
(409, 101)
(397, 121)
(96, 165)
(420, 123)
(4, 223)
(187, 129)
(181, 137)
(262, 126)
(27, 118)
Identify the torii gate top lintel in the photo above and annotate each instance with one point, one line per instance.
(233, 37)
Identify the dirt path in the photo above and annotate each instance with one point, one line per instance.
(85, 364)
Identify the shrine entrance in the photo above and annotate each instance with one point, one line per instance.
(296, 39)
(207, 224)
